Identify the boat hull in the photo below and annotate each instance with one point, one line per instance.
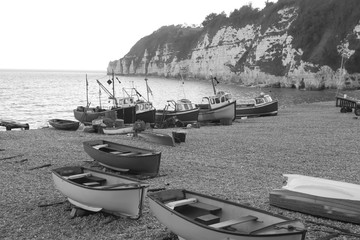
(114, 131)
(146, 116)
(62, 124)
(186, 117)
(122, 200)
(187, 228)
(266, 109)
(160, 138)
(319, 197)
(87, 116)
(226, 111)
(123, 157)
(128, 114)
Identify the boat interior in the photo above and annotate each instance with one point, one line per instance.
(108, 149)
(90, 179)
(224, 216)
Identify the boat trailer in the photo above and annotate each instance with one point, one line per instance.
(347, 104)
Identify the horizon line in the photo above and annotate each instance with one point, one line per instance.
(49, 70)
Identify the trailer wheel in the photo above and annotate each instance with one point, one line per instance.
(343, 110)
(357, 112)
(348, 109)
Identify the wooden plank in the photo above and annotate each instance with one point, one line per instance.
(204, 206)
(77, 176)
(234, 221)
(182, 202)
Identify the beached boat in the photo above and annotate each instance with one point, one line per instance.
(145, 110)
(218, 107)
(319, 197)
(122, 157)
(182, 110)
(160, 138)
(124, 106)
(262, 105)
(115, 131)
(96, 191)
(63, 124)
(194, 216)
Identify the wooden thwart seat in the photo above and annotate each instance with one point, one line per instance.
(231, 222)
(206, 207)
(76, 176)
(181, 202)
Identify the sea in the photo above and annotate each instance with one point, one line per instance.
(36, 96)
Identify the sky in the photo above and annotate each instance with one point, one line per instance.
(88, 34)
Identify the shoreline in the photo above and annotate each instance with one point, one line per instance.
(241, 162)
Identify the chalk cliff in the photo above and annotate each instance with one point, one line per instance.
(288, 43)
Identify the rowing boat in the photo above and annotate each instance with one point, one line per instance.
(160, 138)
(194, 216)
(319, 197)
(96, 191)
(122, 157)
(63, 124)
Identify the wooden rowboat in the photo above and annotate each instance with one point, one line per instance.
(194, 216)
(96, 191)
(114, 131)
(122, 157)
(319, 197)
(63, 124)
(160, 138)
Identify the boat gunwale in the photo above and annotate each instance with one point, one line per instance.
(184, 191)
(154, 152)
(238, 106)
(141, 184)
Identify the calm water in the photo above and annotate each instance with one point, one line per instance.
(34, 97)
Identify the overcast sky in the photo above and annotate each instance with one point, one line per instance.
(87, 34)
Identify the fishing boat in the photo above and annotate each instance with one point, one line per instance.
(95, 191)
(145, 110)
(216, 108)
(194, 216)
(182, 110)
(124, 107)
(220, 106)
(63, 124)
(319, 197)
(156, 137)
(122, 157)
(262, 105)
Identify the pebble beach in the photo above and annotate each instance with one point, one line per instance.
(241, 162)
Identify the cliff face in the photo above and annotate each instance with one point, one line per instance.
(287, 43)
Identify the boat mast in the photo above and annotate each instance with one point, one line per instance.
(113, 82)
(87, 92)
(147, 89)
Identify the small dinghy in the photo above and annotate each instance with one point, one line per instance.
(122, 157)
(63, 124)
(194, 216)
(96, 191)
(160, 138)
(319, 197)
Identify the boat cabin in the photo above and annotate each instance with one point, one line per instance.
(125, 102)
(142, 106)
(221, 98)
(181, 105)
(262, 99)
